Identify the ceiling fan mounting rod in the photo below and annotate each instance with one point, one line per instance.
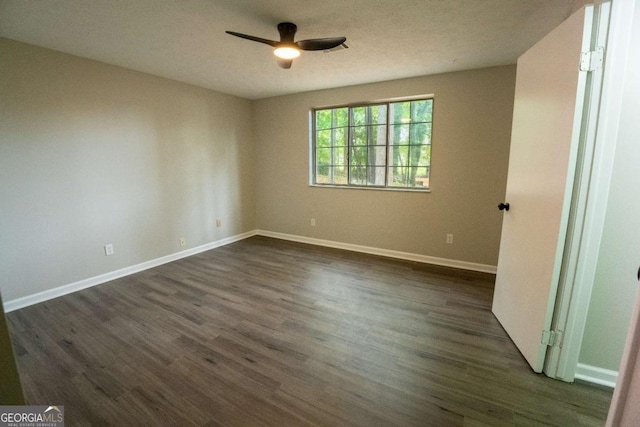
(287, 32)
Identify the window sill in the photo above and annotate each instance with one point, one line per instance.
(354, 187)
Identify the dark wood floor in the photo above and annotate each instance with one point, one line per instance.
(268, 332)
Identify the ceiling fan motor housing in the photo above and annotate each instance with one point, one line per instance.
(287, 32)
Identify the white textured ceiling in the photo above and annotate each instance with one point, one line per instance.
(185, 40)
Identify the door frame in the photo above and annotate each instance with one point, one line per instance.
(586, 217)
(617, 69)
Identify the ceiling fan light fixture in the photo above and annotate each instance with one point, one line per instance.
(286, 52)
(286, 49)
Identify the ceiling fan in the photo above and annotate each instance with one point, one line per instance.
(286, 49)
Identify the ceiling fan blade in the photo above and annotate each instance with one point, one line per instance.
(253, 38)
(321, 44)
(284, 63)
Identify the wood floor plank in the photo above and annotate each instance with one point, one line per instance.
(270, 332)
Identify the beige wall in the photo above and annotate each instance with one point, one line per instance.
(92, 154)
(470, 153)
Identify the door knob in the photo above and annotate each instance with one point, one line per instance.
(503, 206)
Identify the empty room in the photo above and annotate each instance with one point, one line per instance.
(283, 212)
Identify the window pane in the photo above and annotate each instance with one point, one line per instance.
(409, 177)
(341, 117)
(331, 156)
(340, 137)
(421, 133)
(359, 155)
(399, 155)
(358, 116)
(324, 171)
(358, 174)
(398, 176)
(371, 155)
(378, 155)
(339, 156)
(367, 175)
(425, 157)
(340, 175)
(421, 111)
(331, 175)
(400, 112)
(369, 135)
(421, 178)
(323, 156)
(377, 114)
(422, 183)
(323, 119)
(323, 138)
(415, 155)
(322, 176)
(399, 134)
(376, 175)
(359, 135)
(423, 172)
(378, 135)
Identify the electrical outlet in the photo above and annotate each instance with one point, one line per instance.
(218, 222)
(183, 241)
(108, 249)
(450, 239)
(313, 222)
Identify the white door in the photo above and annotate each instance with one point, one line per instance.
(544, 142)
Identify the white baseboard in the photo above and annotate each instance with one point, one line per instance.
(584, 372)
(28, 300)
(595, 375)
(483, 268)
(18, 303)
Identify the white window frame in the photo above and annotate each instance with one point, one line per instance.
(313, 167)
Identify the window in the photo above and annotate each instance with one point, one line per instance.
(382, 145)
